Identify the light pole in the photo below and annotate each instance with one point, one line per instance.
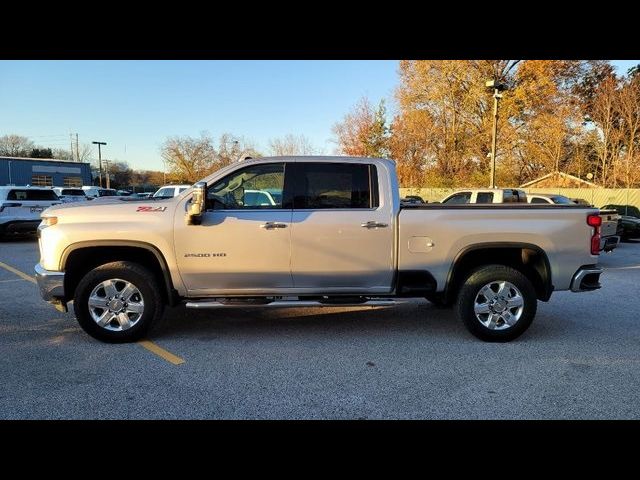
(497, 88)
(100, 160)
(106, 172)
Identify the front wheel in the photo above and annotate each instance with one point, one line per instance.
(497, 303)
(118, 302)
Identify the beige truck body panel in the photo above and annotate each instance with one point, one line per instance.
(317, 252)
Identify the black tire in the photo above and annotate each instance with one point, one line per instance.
(131, 272)
(482, 276)
(438, 300)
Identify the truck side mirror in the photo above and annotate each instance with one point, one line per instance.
(197, 206)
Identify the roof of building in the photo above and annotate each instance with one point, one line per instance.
(561, 174)
(4, 157)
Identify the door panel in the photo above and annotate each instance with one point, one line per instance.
(330, 249)
(243, 244)
(340, 238)
(232, 250)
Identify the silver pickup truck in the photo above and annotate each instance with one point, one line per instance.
(335, 234)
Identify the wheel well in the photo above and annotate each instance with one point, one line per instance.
(531, 261)
(82, 260)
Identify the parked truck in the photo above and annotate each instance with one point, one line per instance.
(336, 234)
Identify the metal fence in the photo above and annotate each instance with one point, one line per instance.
(596, 196)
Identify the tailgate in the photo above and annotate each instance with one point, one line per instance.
(609, 222)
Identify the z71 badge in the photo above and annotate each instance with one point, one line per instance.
(151, 209)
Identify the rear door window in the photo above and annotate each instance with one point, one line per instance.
(32, 195)
(485, 197)
(334, 186)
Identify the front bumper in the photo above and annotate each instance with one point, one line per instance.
(51, 286)
(20, 226)
(586, 279)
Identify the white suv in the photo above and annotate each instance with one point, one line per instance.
(98, 192)
(170, 191)
(20, 208)
(68, 195)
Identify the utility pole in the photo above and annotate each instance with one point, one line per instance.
(77, 149)
(497, 88)
(100, 158)
(71, 144)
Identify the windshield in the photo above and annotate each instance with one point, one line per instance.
(107, 193)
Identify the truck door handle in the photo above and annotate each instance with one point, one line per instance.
(374, 225)
(272, 225)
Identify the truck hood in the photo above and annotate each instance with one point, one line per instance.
(108, 201)
(110, 206)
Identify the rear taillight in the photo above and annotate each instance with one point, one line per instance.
(595, 221)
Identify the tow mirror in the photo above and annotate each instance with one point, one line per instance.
(197, 206)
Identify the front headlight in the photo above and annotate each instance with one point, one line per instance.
(48, 220)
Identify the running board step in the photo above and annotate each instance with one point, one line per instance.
(290, 304)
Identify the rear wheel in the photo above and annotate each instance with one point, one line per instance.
(497, 303)
(118, 302)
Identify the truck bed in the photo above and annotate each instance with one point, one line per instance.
(431, 237)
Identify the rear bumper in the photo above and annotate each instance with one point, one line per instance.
(20, 226)
(609, 243)
(586, 279)
(51, 285)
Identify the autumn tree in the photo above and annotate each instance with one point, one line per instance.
(291, 145)
(445, 116)
(363, 132)
(189, 158)
(81, 153)
(15, 146)
(629, 110)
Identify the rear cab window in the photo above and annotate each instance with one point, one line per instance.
(539, 200)
(561, 200)
(76, 192)
(458, 199)
(32, 195)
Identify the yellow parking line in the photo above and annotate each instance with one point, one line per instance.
(152, 347)
(18, 272)
(161, 352)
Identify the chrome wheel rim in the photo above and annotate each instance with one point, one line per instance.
(498, 305)
(116, 305)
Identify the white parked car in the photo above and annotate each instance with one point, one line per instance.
(486, 195)
(97, 192)
(68, 195)
(170, 191)
(549, 198)
(20, 208)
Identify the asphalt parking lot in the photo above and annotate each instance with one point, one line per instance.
(580, 359)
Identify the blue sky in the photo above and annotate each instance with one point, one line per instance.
(135, 105)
